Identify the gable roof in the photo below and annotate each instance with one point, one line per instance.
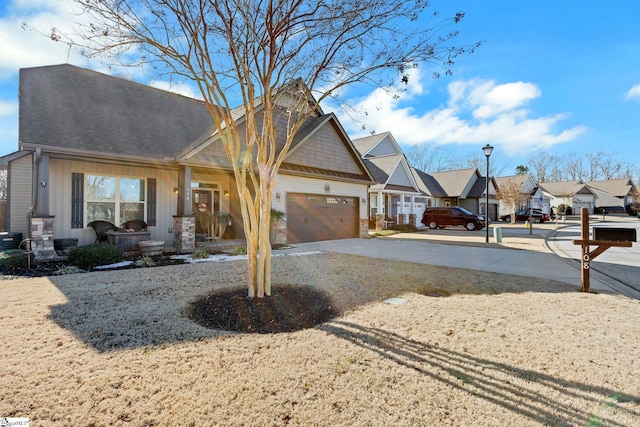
(67, 108)
(329, 152)
(455, 182)
(364, 144)
(615, 187)
(519, 180)
(565, 188)
(516, 179)
(70, 110)
(428, 184)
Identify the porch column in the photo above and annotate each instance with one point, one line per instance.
(42, 185)
(184, 222)
(184, 191)
(380, 206)
(402, 216)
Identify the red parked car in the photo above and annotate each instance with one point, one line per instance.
(523, 215)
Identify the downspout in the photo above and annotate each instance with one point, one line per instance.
(34, 190)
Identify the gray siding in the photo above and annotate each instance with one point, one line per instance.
(399, 177)
(60, 199)
(20, 189)
(325, 149)
(384, 148)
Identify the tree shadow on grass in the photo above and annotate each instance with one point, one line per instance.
(148, 307)
(524, 392)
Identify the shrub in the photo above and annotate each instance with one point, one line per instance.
(90, 256)
(200, 254)
(13, 260)
(145, 261)
(68, 269)
(239, 250)
(404, 228)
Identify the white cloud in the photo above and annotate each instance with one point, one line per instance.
(27, 47)
(633, 93)
(476, 112)
(8, 108)
(179, 88)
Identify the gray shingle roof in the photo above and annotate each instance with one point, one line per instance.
(368, 142)
(454, 182)
(77, 109)
(564, 188)
(615, 187)
(428, 184)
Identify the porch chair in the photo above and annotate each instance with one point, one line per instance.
(101, 228)
(135, 225)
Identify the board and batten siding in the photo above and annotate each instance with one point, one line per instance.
(60, 199)
(296, 184)
(20, 192)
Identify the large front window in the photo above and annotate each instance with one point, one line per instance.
(114, 199)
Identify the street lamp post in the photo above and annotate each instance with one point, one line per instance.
(487, 149)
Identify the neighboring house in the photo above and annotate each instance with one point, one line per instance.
(93, 146)
(395, 196)
(463, 187)
(533, 196)
(613, 194)
(573, 194)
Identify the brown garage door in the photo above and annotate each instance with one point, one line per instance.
(313, 217)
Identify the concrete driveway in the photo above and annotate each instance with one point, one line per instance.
(523, 252)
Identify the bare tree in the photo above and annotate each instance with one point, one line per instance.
(511, 195)
(497, 165)
(574, 168)
(278, 57)
(430, 159)
(545, 168)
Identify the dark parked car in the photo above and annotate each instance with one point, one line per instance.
(452, 215)
(523, 215)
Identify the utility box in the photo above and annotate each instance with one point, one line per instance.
(614, 234)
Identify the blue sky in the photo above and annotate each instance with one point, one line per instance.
(558, 76)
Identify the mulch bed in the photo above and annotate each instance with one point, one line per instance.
(42, 269)
(289, 308)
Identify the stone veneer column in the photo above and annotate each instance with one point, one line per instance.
(278, 232)
(412, 219)
(379, 221)
(364, 228)
(402, 219)
(42, 236)
(184, 233)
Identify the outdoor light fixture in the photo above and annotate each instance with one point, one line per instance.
(487, 149)
(175, 190)
(226, 193)
(278, 195)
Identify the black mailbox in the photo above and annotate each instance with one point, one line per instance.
(614, 234)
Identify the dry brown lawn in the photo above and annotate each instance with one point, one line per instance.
(466, 348)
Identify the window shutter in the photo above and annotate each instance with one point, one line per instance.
(77, 200)
(151, 201)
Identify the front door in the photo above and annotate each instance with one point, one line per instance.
(205, 203)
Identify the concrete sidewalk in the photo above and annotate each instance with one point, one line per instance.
(544, 265)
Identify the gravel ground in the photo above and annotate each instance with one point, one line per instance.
(462, 348)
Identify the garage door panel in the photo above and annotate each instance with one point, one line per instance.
(312, 217)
